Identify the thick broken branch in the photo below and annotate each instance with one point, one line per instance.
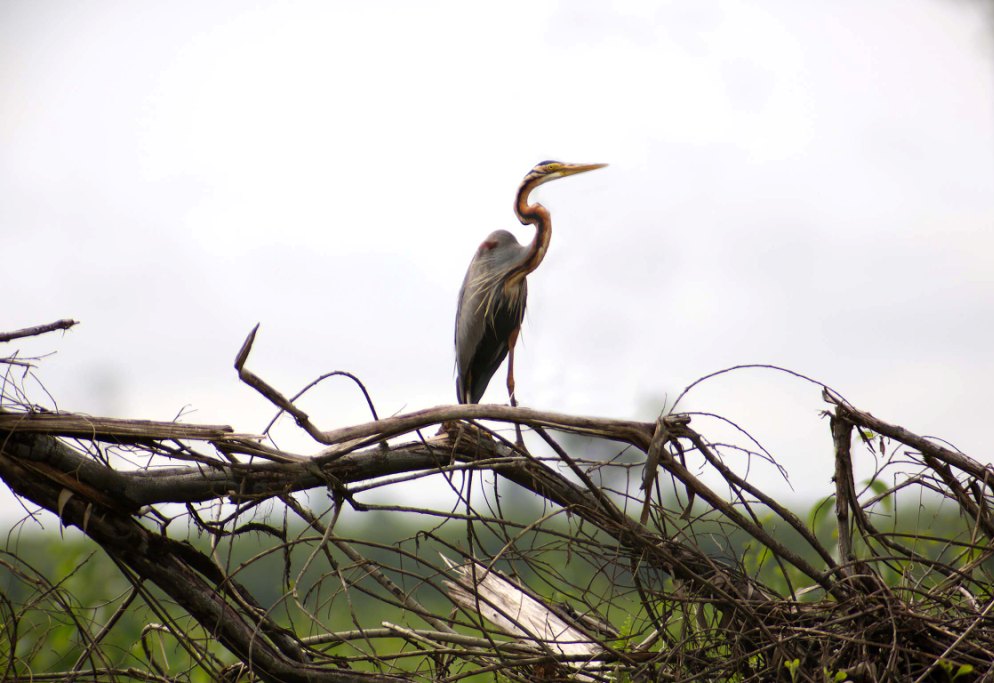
(111, 429)
(64, 324)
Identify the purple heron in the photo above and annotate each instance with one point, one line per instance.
(492, 299)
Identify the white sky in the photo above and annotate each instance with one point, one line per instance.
(805, 184)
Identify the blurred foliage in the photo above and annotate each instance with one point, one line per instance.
(64, 590)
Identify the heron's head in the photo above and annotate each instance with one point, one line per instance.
(544, 171)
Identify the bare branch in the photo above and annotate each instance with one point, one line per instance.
(107, 428)
(64, 324)
(575, 564)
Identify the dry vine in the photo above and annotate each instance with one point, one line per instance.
(613, 577)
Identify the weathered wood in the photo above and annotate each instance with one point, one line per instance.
(89, 427)
(34, 331)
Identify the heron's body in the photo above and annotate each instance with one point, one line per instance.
(481, 348)
(494, 292)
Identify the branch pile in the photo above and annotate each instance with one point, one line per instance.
(633, 565)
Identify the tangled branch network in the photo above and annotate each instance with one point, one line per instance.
(606, 550)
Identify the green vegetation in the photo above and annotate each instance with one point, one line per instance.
(59, 591)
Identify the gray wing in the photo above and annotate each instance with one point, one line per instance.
(485, 319)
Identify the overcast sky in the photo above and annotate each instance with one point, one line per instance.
(804, 184)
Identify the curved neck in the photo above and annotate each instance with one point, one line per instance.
(531, 214)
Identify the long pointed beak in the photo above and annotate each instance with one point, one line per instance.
(573, 169)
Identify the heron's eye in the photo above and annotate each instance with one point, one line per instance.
(487, 245)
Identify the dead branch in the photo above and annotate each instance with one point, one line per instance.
(723, 585)
(64, 324)
(112, 429)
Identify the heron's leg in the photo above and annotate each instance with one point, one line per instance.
(512, 340)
